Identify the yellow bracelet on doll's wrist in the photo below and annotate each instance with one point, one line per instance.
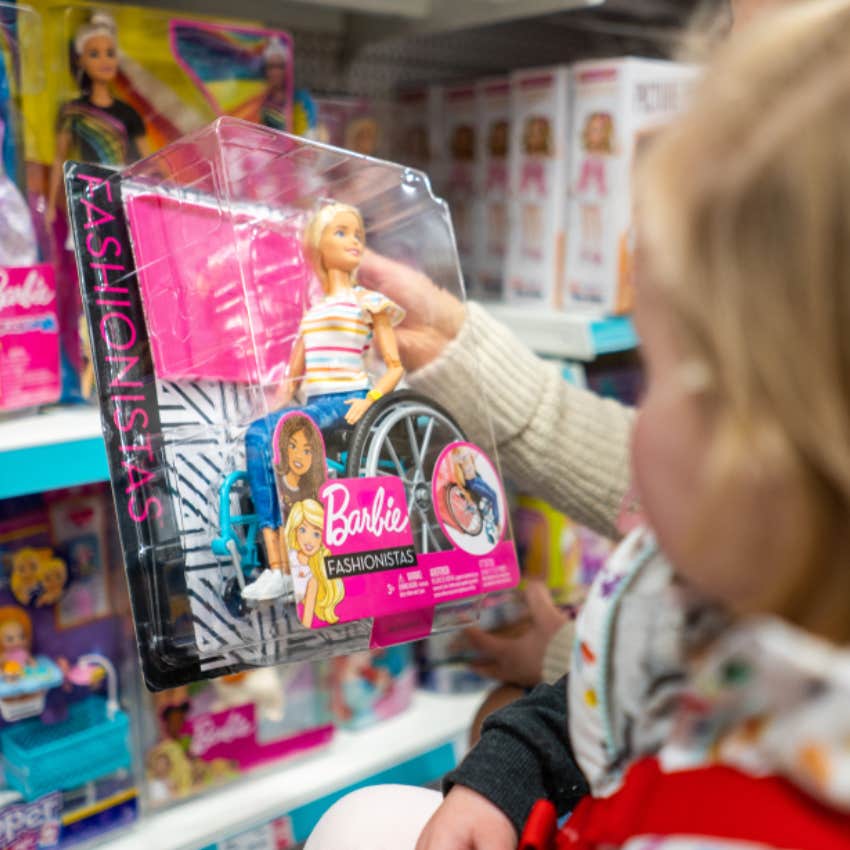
(374, 394)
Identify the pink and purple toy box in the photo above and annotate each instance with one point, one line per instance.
(282, 494)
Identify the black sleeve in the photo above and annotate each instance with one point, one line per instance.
(134, 123)
(524, 755)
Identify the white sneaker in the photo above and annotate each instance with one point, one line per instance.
(272, 584)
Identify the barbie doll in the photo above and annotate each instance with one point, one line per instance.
(314, 591)
(17, 238)
(95, 127)
(328, 361)
(275, 69)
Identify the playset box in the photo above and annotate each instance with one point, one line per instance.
(491, 218)
(212, 732)
(280, 495)
(65, 669)
(538, 163)
(617, 103)
(29, 336)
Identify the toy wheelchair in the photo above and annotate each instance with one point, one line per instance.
(401, 435)
(468, 515)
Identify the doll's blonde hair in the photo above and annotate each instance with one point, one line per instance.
(100, 23)
(313, 236)
(744, 209)
(330, 591)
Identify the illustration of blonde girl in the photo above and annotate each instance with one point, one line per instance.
(52, 576)
(24, 576)
(597, 141)
(315, 594)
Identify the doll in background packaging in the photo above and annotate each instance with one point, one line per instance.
(328, 361)
(15, 642)
(598, 145)
(273, 111)
(537, 146)
(95, 127)
(17, 237)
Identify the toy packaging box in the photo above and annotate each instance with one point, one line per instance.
(460, 126)
(280, 495)
(491, 220)
(29, 334)
(212, 732)
(65, 669)
(539, 150)
(357, 124)
(616, 105)
(163, 75)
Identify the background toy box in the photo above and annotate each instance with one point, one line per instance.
(616, 104)
(69, 769)
(539, 159)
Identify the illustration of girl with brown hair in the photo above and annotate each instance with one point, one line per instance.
(537, 148)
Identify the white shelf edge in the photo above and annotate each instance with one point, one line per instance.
(431, 722)
(57, 425)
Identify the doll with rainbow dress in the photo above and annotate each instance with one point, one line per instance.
(328, 363)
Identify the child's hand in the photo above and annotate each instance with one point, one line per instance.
(468, 821)
(519, 660)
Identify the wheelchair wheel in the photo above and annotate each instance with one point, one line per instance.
(462, 512)
(402, 435)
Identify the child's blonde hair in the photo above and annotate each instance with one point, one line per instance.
(745, 229)
(313, 236)
(330, 591)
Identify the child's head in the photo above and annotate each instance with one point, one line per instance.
(299, 452)
(742, 452)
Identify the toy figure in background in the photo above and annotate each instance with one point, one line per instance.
(24, 573)
(357, 684)
(328, 360)
(276, 70)
(461, 181)
(17, 237)
(592, 189)
(96, 127)
(497, 182)
(15, 642)
(537, 146)
(314, 591)
(361, 135)
(169, 772)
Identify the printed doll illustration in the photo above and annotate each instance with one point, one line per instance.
(471, 507)
(315, 594)
(328, 362)
(537, 148)
(95, 127)
(24, 582)
(597, 141)
(362, 135)
(273, 111)
(462, 146)
(52, 576)
(497, 148)
(15, 642)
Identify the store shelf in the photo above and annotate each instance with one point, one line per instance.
(60, 448)
(415, 748)
(573, 337)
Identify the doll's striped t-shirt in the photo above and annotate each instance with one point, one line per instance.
(337, 332)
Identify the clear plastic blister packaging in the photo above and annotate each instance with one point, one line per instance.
(282, 495)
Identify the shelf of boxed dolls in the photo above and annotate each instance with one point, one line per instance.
(62, 447)
(572, 336)
(414, 748)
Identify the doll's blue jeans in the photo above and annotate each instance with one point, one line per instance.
(482, 489)
(327, 411)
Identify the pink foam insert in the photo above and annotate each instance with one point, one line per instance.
(223, 292)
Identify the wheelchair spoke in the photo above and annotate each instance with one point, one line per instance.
(395, 458)
(414, 447)
(429, 428)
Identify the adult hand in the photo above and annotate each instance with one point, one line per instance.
(518, 660)
(433, 316)
(467, 821)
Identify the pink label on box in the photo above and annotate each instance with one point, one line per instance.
(29, 337)
(232, 735)
(372, 567)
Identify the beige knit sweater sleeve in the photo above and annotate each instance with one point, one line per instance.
(555, 441)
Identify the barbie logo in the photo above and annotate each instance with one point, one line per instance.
(216, 730)
(359, 509)
(34, 291)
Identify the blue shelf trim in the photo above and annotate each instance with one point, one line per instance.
(616, 333)
(48, 467)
